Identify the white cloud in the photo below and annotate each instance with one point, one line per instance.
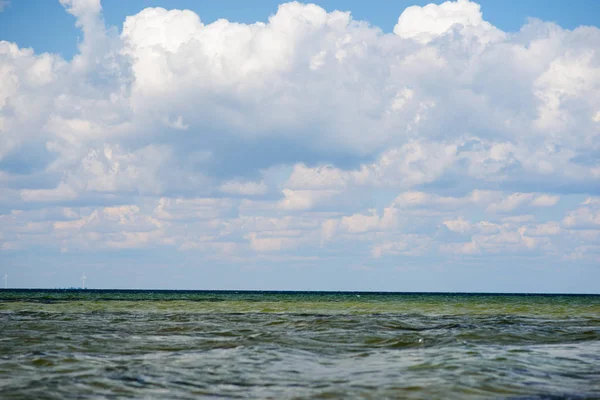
(549, 228)
(571, 76)
(244, 188)
(270, 244)
(305, 199)
(308, 129)
(431, 21)
(422, 199)
(411, 245)
(61, 193)
(511, 202)
(457, 225)
(388, 248)
(517, 200)
(107, 170)
(461, 248)
(586, 216)
(328, 229)
(176, 123)
(359, 223)
(545, 200)
(326, 177)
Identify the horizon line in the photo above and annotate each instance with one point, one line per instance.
(299, 291)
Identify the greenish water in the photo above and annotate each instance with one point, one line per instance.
(179, 345)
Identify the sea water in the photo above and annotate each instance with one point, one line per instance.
(69, 344)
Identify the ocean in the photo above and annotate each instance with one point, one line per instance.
(74, 344)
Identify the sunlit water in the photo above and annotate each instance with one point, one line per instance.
(179, 345)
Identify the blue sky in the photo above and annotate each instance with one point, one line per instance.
(411, 147)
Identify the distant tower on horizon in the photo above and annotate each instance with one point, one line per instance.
(5, 280)
(83, 278)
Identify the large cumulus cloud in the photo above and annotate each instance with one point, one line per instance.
(308, 135)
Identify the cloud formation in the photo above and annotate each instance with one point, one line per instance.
(309, 135)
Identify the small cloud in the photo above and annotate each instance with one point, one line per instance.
(517, 200)
(61, 193)
(587, 216)
(401, 99)
(4, 4)
(545, 200)
(426, 23)
(269, 244)
(461, 248)
(518, 219)
(360, 223)
(244, 188)
(547, 229)
(457, 225)
(301, 200)
(511, 202)
(318, 61)
(328, 229)
(176, 123)
(393, 248)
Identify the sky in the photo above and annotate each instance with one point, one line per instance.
(343, 145)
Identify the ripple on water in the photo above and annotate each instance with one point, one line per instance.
(330, 347)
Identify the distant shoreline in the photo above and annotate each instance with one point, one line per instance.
(292, 292)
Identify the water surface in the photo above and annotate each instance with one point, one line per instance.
(179, 345)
